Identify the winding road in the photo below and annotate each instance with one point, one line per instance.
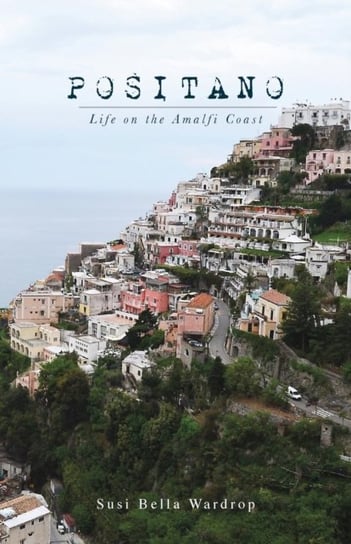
(219, 333)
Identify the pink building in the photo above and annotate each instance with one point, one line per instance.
(172, 200)
(133, 298)
(195, 321)
(189, 248)
(151, 293)
(319, 162)
(277, 142)
(156, 294)
(164, 250)
(41, 306)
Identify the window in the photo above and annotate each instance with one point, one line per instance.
(23, 526)
(41, 518)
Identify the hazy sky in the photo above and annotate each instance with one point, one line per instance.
(47, 140)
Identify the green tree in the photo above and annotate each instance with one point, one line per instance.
(215, 378)
(303, 314)
(138, 254)
(244, 168)
(146, 323)
(201, 221)
(63, 392)
(18, 425)
(330, 212)
(241, 378)
(304, 143)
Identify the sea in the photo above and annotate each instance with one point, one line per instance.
(39, 227)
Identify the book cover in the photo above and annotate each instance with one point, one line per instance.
(132, 133)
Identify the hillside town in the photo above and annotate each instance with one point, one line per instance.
(209, 223)
(213, 261)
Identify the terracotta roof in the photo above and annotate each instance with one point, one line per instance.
(202, 300)
(55, 276)
(276, 297)
(117, 247)
(21, 504)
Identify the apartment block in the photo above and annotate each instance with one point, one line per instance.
(25, 520)
(88, 348)
(41, 306)
(337, 112)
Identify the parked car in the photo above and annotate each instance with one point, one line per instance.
(61, 528)
(293, 393)
(195, 343)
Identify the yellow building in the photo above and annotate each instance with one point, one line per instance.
(268, 313)
(31, 339)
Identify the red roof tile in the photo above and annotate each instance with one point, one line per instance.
(276, 297)
(117, 247)
(202, 300)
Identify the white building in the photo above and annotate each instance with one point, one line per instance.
(281, 268)
(291, 244)
(138, 229)
(103, 295)
(320, 256)
(136, 364)
(124, 260)
(174, 222)
(25, 520)
(348, 289)
(79, 282)
(88, 348)
(336, 112)
(110, 327)
(229, 226)
(239, 195)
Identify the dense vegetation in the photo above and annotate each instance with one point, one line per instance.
(303, 328)
(178, 439)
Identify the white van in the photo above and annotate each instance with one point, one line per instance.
(61, 528)
(293, 393)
